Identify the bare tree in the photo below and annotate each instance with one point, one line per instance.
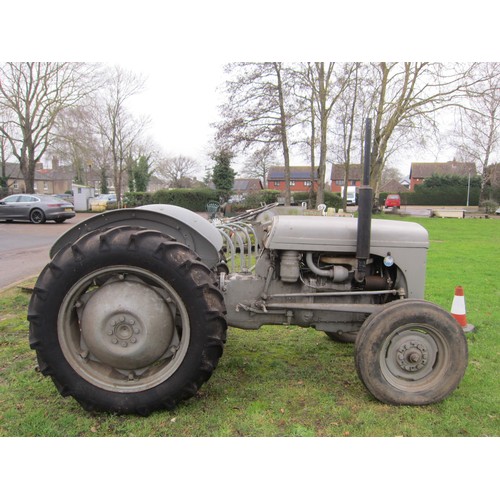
(120, 130)
(177, 171)
(478, 123)
(4, 155)
(327, 86)
(258, 110)
(305, 95)
(36, 93)
(75, 142)
(409, 96)
(258, 164)
(347, 112)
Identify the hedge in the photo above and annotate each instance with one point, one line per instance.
(441, 190)
(192, 199)
(267, 196)
(197, 199)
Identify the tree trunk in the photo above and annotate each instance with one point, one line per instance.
(323, 124)
(284, 138)
(312, 200)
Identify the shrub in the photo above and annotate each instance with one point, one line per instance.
(258, 198)
(332, 200)
(135, 199)
(489, 206)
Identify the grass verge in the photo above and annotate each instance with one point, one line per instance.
(289, 381)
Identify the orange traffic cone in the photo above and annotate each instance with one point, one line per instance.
(458, 310)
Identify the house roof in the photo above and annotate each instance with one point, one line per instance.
(54, 175)
(355, 172)
(296, 173)
(393, 186)
(424, 170)
(13, 171)
(247, 185)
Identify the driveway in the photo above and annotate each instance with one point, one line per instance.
(24, 248)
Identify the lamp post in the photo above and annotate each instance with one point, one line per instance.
(468, 190)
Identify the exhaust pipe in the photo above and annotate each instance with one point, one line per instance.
(365, 204)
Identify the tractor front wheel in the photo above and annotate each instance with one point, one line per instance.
(411, 352)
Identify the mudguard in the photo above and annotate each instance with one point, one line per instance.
(179, 223)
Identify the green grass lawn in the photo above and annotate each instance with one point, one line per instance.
(288, 381)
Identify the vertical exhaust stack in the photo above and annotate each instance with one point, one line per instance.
(365, 203)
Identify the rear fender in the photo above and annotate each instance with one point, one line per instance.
(179, 223)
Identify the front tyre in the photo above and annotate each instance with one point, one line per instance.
(411, 352)
(128, 321)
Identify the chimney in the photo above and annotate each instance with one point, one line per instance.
(55, 163)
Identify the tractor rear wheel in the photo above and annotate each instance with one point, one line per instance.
(127, 320)
(411, 352)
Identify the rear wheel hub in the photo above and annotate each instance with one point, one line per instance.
(127, 325)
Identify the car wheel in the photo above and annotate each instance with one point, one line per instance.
(37, 216)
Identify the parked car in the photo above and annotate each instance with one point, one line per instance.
(103, 202)
(497, 211)
(392, 201)
(36, 208)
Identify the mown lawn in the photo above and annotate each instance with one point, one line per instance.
(288, 381)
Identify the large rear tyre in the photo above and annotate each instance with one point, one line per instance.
(128, 321)
(411, 352)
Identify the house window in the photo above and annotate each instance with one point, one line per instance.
(15, 185)
(292, 183)
(307, 183)
(276, 183)
(339, 182)
(45, 186)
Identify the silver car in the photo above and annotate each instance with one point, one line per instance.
(36, 208)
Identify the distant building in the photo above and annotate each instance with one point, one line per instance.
(338, 176)
(15, 180)
(419, 172)
(300, 179)
(49, 181)
(156, 183)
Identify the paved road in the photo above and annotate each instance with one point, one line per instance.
(24, 248)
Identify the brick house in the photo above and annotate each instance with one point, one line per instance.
(47, 181)
(338, 176)
(300, 179)
(243, 187)
(421, 171)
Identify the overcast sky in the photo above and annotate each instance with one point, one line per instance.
(181, 99)
(181, 49)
